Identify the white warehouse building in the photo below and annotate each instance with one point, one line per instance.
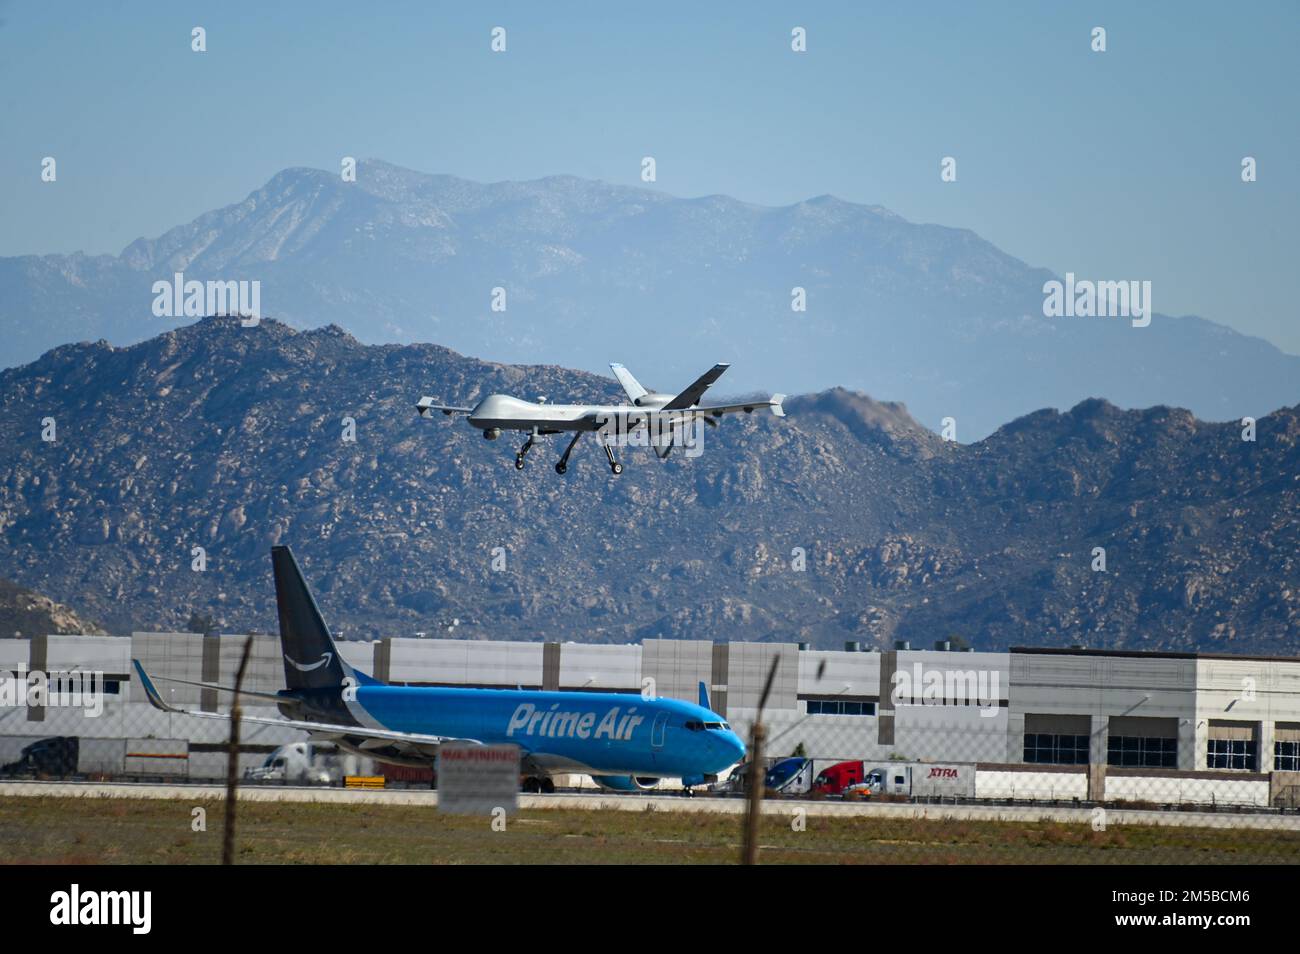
(1081, 724)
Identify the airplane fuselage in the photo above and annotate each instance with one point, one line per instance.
(593, 733)
(503, 412)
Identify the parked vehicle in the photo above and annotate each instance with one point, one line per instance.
(733, 781)
(915, 779)
(838, 777)
(792, 776)
(53, 756)
(297, 762)
(407, 776)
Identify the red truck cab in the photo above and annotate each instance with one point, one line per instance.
(834, 780)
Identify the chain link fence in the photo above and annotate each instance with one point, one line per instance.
(1026, 756)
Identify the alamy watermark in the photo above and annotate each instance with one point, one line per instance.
(948, 687)
(660, 430)
(59, 690)
(1089, 299)
(75, 906)
(195, 299)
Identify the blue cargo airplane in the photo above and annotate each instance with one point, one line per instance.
(624, 741)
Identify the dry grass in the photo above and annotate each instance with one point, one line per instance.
(119, 831)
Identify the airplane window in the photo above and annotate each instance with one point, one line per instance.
(694, 726)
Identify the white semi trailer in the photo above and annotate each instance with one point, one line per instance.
(917, 779)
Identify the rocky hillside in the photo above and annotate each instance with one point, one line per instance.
(24, 614)
(846, 520)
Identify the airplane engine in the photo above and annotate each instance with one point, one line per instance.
(624, 783)
(492, 433)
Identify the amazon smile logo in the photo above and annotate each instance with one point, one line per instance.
(302, 667)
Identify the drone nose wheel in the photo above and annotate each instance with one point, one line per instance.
(519, 462)
(614, 465)
(560, 468)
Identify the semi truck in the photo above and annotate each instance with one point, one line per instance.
(789, 776)
(54, 756)
(310, 763)
(860, 779)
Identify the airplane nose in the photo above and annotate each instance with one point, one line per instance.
(735, 748)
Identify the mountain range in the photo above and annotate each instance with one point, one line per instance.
(847, 520)
(591, 272)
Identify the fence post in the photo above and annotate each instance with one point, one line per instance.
(232, 762)
(749, 844)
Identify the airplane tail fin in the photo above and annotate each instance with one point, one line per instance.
(311, 660)
(631, 386)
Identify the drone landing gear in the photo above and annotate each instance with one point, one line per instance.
(528, 445)
(563, 463)
(614, 465)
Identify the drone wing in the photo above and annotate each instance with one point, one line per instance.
(425, 404)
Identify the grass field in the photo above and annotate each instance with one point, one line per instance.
(114, 831)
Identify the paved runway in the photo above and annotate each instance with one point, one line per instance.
(664, 803)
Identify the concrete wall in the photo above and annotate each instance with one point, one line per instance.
(1200, 788)
(605, 667)
(1041, 783)
(464, 662)
(950, 734)
(677, 666)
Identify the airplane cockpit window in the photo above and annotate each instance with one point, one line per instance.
(694, 726)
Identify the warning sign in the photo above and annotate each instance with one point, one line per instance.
(478, 779)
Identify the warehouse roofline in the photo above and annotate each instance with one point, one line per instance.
(1145, 654)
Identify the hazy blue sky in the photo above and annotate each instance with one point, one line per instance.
(1117, 165)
